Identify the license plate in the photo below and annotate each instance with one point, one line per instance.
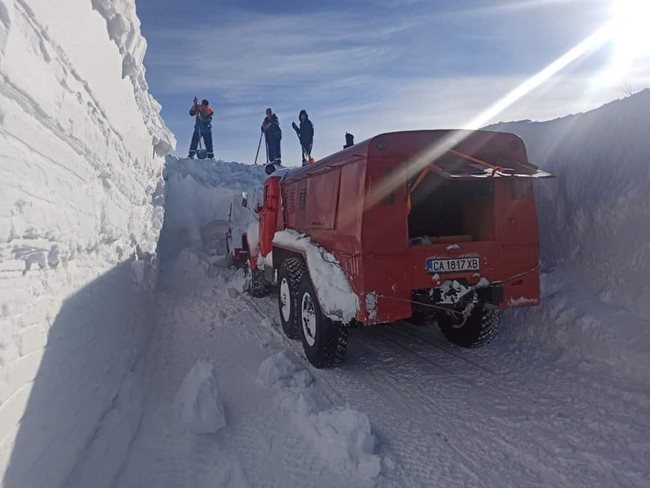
(459, 265)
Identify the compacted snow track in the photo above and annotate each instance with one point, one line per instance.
(526, 424)
(208, 318)
(442, 416)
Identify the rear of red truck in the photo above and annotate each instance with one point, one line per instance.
(449, 231)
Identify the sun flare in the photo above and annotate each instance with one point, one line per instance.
(631, 37)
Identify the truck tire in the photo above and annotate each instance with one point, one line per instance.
(258, 287)
(480, 327)
(289, 277)
(325, 342)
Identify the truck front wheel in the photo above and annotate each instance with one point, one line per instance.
(258, 287)
(479, 328)
(325, 342)
(289, 278)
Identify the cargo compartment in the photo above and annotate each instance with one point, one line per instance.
(443, 210)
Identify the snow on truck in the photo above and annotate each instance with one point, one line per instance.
(418, 226)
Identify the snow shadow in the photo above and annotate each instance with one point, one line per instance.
(85, 402)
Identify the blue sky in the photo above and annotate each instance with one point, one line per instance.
(365, 66)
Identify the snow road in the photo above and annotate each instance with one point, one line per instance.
(503, 415)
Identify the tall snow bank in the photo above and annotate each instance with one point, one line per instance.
(81, 209)
(201, 197)
(123, 28)
(595, 233)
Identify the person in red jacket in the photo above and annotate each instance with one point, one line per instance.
(202, 127)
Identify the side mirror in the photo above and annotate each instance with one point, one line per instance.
(244, 199)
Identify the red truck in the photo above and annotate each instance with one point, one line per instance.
(418, 225)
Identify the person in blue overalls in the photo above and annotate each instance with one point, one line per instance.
(202, 127)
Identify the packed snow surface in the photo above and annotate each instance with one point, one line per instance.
(207, 317)
(406, 409)
(336, 297)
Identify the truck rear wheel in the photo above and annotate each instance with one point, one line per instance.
(325, 342)
(479, 328)
(289, 278)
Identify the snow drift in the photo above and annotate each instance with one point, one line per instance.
(198, 399)
(81, 146)
(201, 197)
(342, 437)
(595, 234)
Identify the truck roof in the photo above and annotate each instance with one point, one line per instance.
(483, 151)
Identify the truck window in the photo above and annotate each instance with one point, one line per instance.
(323, 189)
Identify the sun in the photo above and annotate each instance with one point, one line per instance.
(630, 37)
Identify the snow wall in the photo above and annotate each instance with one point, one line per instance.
(199, 197)
(81, 194)
(595, 234)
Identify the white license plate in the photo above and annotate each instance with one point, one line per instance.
(459, 265)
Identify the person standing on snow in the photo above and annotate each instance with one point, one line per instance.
(273, 136)
(202, 127)
(305, 134)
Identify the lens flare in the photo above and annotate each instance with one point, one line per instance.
(595, 41)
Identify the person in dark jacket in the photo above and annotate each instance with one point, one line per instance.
(273, 136)
(305, 134)
(202, 127)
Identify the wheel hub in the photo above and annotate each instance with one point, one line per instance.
(457, 319)
(285, 300)
(308, 319)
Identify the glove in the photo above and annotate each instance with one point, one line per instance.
(196, 101)
(295, 127)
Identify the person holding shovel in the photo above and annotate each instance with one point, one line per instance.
(273, 135)
(305, 134)
(202, 127)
